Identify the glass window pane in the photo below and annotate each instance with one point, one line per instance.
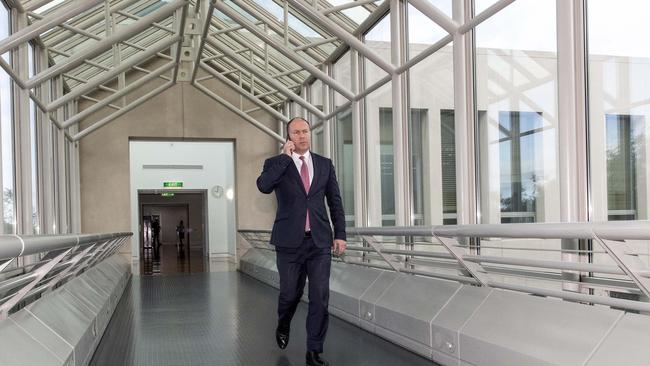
(619, 106)
(517, 120)
(517, 88)
(431, 99)
(619, 109)
(345, 163)
(342, 131)
(422, 31)
(6, 130)
(386, 167)
(379, 131)
(34, 147)
(357, 14)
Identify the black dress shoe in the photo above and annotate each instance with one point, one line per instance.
(282, 337)
(314, 359)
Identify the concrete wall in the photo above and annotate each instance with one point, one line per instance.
(181, 112)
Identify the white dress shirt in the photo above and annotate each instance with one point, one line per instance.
(308, 161)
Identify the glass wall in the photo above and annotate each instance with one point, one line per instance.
(431, 129)
(619, 108)
(6, 130)
(517, 128)
(516, 81)
(316, 99)
(619, 115)
(379, 130)
(342, 133)
(34, 142)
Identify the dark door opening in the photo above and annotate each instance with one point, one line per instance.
(173, 238)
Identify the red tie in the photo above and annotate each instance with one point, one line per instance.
(304, 175)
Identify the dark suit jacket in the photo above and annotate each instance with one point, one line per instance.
(280, 175)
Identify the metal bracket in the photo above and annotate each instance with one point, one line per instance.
(192, 26)
(388, 258)
(6, 264)
(40, 274)
(62, 274)
(187, 54)
(474, 269)
(629, 261)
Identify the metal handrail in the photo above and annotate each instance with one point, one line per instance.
(12, 246)
(478, 269)
(62, 257)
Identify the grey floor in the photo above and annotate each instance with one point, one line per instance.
(224, 318)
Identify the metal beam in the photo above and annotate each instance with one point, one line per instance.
(128, 89)
(95, 126)
(288, 72)
(55, 18)
(242, 91)
(464, 121)
(436, 15)
(349, 5)
(43, 109)
(106, 43)
(272, 82)
(69, 27)
(226, 63)
(204, 35)
(240, 113)
(316, 43)
(262, 52)
(290, 54)
(154, 24)
(294, 37)
(179, 45)
(346, 37)
(93, 83)
(401, 176)
(232, 29)
(424, 54)
(485, 14)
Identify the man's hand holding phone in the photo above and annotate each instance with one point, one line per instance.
(288, 147)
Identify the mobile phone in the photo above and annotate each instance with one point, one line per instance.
(289, 139)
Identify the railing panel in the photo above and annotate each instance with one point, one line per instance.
(614, 270)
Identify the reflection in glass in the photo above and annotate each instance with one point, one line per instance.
(518, 151)
(378, 130)
(625, 138)
(34, 146)
(342, 132)
(448, 166)
(619, 106)
(516, 77)
(345, 163)
(6, 129)
(431, 103)
(386, 167)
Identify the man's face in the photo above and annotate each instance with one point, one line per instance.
(300, 135)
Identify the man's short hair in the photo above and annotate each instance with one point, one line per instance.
(295, 119)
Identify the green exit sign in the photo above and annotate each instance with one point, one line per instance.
(167, 194)
(173, 184)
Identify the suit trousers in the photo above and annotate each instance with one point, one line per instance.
(295, 265)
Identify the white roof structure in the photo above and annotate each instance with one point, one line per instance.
(102, 51)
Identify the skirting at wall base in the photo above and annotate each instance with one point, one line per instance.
(455, 324)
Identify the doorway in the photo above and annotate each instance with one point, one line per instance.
(173, 238)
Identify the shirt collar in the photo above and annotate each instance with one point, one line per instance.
(296, 156)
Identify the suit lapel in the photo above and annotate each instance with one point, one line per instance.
(315, 160)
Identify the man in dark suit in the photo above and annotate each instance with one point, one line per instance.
(302, 234)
